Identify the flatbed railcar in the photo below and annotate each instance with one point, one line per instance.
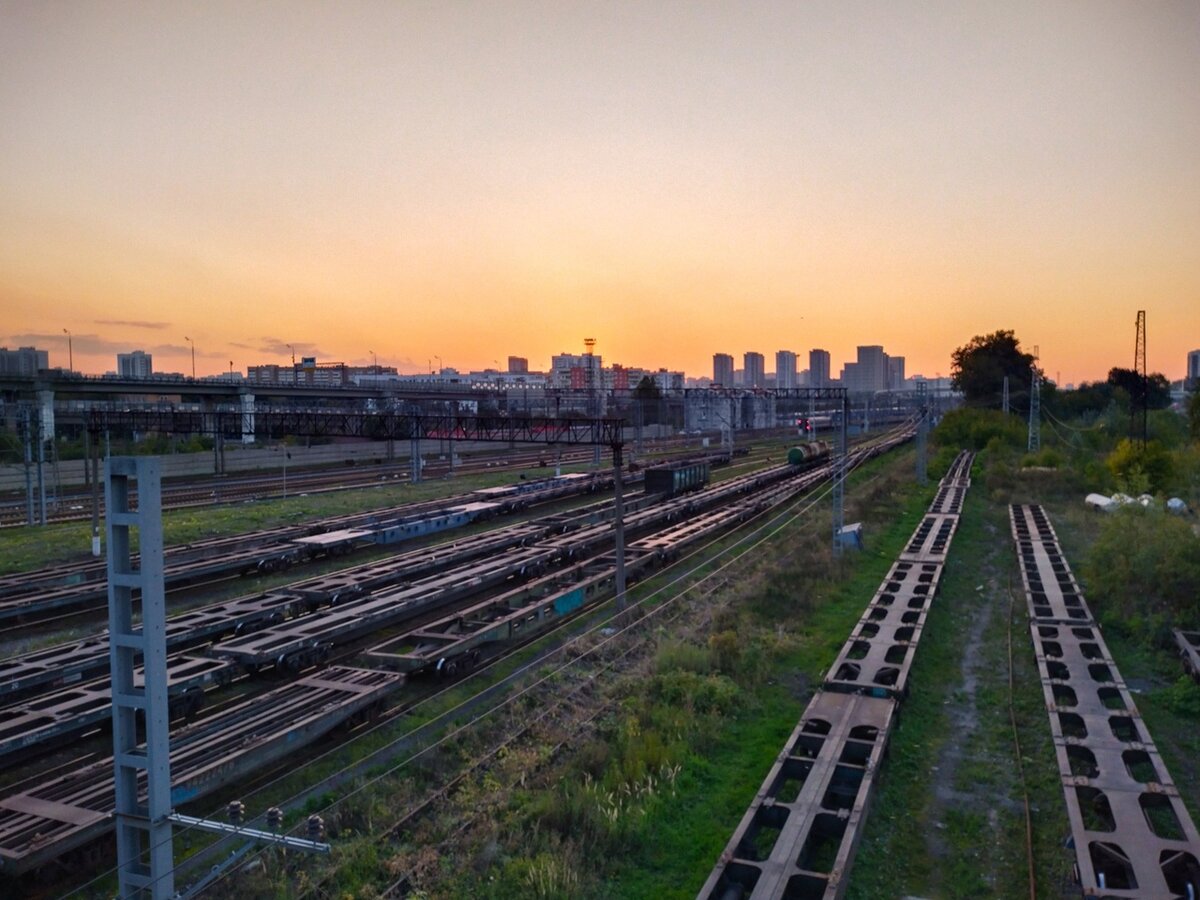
(56, 717)
(43, 819)
(40, 594)
(799, 836)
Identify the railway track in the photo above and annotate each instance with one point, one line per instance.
(294, 628)
(77, 505)
(52, 594)
(800, 833)
(1132, 834)
(358, 617)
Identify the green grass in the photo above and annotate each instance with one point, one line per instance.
(972, 842)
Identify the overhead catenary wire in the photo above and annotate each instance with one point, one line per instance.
(859, 460)
(787, 520)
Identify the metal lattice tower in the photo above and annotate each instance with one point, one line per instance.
(1137, 430)
(1035, 413)
(593, 399)
(144, 851)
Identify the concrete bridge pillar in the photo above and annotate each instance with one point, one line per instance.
(45, 401)
(247, 418)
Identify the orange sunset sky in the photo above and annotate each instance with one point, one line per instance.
(465, 181)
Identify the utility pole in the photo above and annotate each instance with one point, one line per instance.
(923, 428)
(193, 345)
(1004, 401)
(1035, 417)
(70, 352)
(593, 405)
(618, 525)
(839, 480)
(27, 436)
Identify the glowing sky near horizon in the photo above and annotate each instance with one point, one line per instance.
(464, 181)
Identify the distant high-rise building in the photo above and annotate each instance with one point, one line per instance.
(818, 368)
(518, 365)
(869, 374)
(1192, 381)
(24, 361)
(755, 368)
(895, 373)
(723, 370)
(785, 370)
(137, 364)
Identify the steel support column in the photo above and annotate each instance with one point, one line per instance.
(144, 850)
(414, 460)
(619, 524)
(839, 479)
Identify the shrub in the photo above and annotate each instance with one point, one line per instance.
(726, 650)
(1145, 564)
(1183, 698)
(1140, 470)
(678, 656)
(1046, 458)
(980, 429)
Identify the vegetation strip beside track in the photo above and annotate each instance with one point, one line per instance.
(815, 646)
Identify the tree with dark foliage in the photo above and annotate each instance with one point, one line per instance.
(979, 369)
(1158, 389)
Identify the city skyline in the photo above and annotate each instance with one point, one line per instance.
(413, 184)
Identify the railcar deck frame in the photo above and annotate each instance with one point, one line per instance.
(1132, 833)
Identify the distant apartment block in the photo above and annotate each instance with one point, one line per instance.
(518, 365)
(137, 364)
(786, 376)
(873, 371)
(1192, 378)
(818, 368)
(576, 371)
(754, 367)
(23, 361)
(723, 370)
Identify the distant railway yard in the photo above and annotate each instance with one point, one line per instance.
(440, 681)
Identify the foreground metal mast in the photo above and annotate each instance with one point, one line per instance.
(144, 851)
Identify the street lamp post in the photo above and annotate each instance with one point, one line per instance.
(70, 352)
(193, 345)
(374, 363)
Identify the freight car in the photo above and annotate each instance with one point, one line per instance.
(676, 478)
(806, 453)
